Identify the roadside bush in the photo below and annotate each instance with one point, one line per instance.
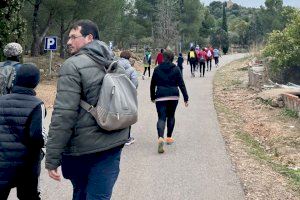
(284, 48)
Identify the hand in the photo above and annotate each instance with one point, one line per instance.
(186, 103)
(153, 101)
(54, 174)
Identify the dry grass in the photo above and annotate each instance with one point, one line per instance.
(270, 139)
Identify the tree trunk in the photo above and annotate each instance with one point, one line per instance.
(34, 45)
(37, 39)
(62, 39)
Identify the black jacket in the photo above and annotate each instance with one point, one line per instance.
(165, 81)
(180, 61)
(21, 136)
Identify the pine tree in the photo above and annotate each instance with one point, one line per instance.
(225, 38)
(224, 22)
(12, 25)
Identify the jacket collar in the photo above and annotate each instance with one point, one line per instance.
(23, 90)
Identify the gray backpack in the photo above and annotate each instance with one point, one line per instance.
(7, 73)
(117, 106)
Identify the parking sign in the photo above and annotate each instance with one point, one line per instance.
(50, 43)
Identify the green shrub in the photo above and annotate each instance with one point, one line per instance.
(284, 46)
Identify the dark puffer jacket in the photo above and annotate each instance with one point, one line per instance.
(19, 147)
(165, 81)
(73, 131)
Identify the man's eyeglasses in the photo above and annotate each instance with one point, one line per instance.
(73, 37)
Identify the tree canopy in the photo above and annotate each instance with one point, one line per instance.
(143, 22)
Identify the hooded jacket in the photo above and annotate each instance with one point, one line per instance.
(73, 131)
(130, 71)
(165, 81)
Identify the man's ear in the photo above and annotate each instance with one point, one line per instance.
(90, 37)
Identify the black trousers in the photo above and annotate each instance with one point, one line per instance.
(146, 68)
(26, 182)
(193, 66)
(216, 60)
(166, 112)
(202, 68)
(181, 68)
(209, 62)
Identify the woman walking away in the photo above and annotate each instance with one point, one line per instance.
(147, 62)
(164, 92)
(180, 61)
(209, 53)
(192, 59)
(132, 75)
(216, 56)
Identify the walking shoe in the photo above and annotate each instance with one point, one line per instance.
(161, 145)
(143, 77)
(130, 141)
(170, 140)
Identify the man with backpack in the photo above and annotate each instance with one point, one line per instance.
(8, 69)
(192, 59)
(88, 154)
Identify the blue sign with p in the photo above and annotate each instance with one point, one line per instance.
(50, 43)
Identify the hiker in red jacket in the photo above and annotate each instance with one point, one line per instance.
(159, 57)
(202, 58)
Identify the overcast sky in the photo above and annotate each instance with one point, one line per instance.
(257, 3)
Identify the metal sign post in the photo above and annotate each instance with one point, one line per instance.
(50, 62)
(51, 45)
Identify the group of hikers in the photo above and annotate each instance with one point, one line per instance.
(202, 58)
(197, 58)
(89, 155)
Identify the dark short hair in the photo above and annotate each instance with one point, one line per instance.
(87, 27)
(125, 54)
(162, 50)
(168, 56)
(192, 49)
(28, 76)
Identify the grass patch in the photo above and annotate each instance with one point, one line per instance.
(236, 82)
(267, 102)
(289, 113)
(259, 152)
(243, 69)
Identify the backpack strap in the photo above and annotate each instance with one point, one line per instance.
(86, 106)
(109, 69)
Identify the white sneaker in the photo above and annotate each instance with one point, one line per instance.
(143, 77)
(130, 141)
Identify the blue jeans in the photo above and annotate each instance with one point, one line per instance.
(93, 176)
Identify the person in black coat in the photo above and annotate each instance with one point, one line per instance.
(180, 61)
(21, 136)
(164, 92)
